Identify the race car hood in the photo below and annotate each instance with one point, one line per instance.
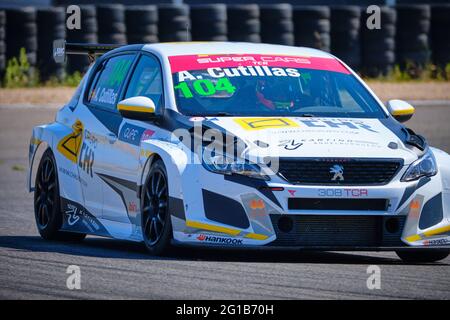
(316, 137)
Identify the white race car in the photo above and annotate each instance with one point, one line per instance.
(236, 145)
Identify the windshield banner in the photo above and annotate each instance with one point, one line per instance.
(256, 62)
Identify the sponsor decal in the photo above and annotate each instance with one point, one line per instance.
(72, 214)
(72, 175)
(340, 142)
(241, 71)
(90, 138)
(257, 204)
(146, 153)
(104, 95)
(257, 208)
(86, 159)
(202, 87)
(436, 242)
(147, 134)
(265, 123)
(132, 206)
(351, 193)
(69, 146)
(198, 62)
(290, 144)
(78, 219)
(414, 208)
(131, 134)
(415, 204)
(337, 124)
(219, 240)
(338, 172)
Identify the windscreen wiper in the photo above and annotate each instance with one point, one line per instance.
(220, 114)
(307, 115)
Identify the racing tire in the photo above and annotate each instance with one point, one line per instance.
(47, 204)
(276, 12)
(417, 256)
(156, 223)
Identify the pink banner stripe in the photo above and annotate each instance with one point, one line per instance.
(199, 62)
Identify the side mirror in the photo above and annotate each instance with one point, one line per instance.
(138, 108)
(400, 110)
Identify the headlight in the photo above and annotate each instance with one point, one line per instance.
(225, 164)
(423, 167)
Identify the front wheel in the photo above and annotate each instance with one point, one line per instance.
(417, 256)
(156, 222)
(47, 210)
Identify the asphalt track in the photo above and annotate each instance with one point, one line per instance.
(110, 269)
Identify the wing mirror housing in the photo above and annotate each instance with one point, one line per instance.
(137, 108)
(401, 110)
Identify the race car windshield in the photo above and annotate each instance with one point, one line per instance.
(237, 85)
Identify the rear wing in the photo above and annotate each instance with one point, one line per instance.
(61, 49)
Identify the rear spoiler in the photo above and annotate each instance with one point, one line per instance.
(61, 49)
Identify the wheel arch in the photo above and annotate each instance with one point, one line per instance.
(443, 163)
(174, 159)
(44, 137)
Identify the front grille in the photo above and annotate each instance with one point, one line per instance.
(354, 171)
(338, 204)
(338, 231)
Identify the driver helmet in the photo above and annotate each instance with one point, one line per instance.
(275, 93)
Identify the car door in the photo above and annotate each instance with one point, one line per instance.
(101, 129)
(121, 199)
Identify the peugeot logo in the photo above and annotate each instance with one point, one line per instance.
(338, 172)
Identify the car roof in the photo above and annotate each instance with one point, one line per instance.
(205, 47)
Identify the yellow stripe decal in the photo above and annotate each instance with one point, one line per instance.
(256, 236)
(437, 231)
(413, 238)
(210, 227)
(428, 233)
(136, 109)
(403, 112)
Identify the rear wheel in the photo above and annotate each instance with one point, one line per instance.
(423, 255)
(156, 223)
(47, 209)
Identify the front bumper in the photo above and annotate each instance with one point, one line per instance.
(249, 210)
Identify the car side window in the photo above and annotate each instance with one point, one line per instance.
(147, 80)
(105, 88)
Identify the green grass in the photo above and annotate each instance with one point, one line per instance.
(410, 73)
(69, 80)
(19, 73)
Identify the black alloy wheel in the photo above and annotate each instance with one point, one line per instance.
(47, 207)
(156, 224)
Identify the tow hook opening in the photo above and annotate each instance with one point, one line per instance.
(392, 225)
(285, 224)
